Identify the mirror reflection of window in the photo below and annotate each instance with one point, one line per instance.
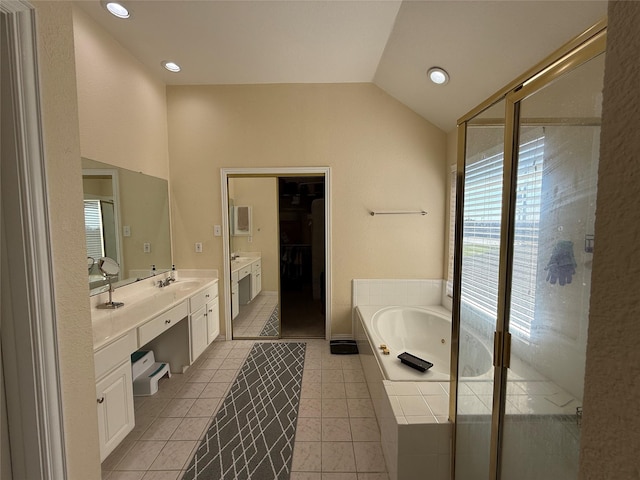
(93, 228)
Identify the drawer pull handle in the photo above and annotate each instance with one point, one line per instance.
(206, 296)
(167, 322)
(100, 400)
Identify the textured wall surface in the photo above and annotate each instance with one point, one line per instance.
(610, 447)
(383, 157)
(122, 107)
(62, 157)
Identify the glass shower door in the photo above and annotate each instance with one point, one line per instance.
(527, 184)
(553, 224)
(481, 210)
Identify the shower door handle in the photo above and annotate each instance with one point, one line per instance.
(501, 349)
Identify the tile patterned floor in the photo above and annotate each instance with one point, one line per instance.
(252, 317)
(337, 434)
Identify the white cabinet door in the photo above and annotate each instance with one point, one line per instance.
(115, 408)
(213, 320)
(256, 279)
(235, 300)
(198, 324)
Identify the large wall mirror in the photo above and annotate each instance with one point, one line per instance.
(127, 219)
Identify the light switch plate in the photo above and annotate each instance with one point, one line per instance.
(126, 231)
(198, 247)
(146, 247)
(217, 230)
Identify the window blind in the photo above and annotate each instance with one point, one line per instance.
(481, 234)
(93, 229)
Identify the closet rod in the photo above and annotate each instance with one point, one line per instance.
(398, 212)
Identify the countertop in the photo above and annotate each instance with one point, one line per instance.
(141, 305)
(241, 262)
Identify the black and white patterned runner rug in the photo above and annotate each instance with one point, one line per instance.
(272, 326)
(251, 437)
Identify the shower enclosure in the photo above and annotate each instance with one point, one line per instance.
(526, 193)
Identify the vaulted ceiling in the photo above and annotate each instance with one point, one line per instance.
(482, 44)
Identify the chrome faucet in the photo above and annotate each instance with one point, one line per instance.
(166, 282)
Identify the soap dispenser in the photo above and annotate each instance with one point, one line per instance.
(153, 270)
(174, 273)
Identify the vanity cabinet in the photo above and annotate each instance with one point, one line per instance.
(256, 278)
(235, 296)
(198, 334)
(213, 320)
(204, 320)
(176, 322)
(248, 280)
(115, 408)
(114, 392)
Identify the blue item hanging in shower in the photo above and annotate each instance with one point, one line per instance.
(562, 264)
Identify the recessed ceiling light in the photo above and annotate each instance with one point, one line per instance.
(171, 66)
(116, 9)
(438, 75)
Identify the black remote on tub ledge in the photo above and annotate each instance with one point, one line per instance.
(415, 362)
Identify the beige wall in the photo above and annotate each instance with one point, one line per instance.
(610, 438)
(62, 155)
(122, 107)
(261, 194)
(383, 156)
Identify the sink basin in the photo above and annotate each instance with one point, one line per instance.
(186, 285)
(241, 261)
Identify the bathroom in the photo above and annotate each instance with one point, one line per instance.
(197, 128)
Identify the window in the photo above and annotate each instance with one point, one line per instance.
(93, 228)
(481, 242)
(452, 228)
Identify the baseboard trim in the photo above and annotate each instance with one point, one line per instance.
(342, 336)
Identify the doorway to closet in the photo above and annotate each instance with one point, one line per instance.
(292, 246)
(302, 256)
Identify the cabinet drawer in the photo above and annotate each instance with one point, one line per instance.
(257, 265)
(113, 354)
(162, 322)
(244, 272)
(198, 300)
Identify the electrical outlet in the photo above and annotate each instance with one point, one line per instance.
(126, 231)
(250, 239)
(146, 247)
(217, 230)
(198, 247)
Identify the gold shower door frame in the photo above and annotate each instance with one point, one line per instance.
(575, 53)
